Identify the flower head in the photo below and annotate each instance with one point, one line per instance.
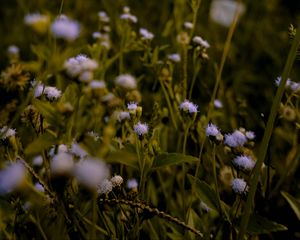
(235, 139)
(132, 106)
(126, 81)
(175, 57)
(146, 35)
(218, 103)
(105, 187)
(141, 128)
(37, 21)
(116, 181)
(91, 172)
(244, 162)
(6, 132)
(188, 106)
(96, 84)
(239, 185)
(188, 25)
(52, 93)
(212, 130)
(12, 177)
(201, 42)
(62, 164)
(132, 183)
(103, 17)
(65, 28)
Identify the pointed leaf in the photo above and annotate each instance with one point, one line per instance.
(294, 203)
(126, 156)
(41, 143)
(49, 112)
(167, 159)
(260, 225)
(205, 193)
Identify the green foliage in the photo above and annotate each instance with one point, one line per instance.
(106, 134)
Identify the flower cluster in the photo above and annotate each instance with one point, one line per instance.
(188, 106)
(65, 28)
(81, 66)
(51, 93)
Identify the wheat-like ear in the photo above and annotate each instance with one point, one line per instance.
(292, 33)
(155, 211)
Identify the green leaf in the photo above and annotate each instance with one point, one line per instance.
(294, 203)
(167, 159)
(49, 112)
(205, 193)
(70, 95)
(126, 156)
(260, 225)
(41, 143)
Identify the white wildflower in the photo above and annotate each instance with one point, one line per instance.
(175, 57)
(103, 17)
(93, 135)
(116, 181)
(91, 172)
(235, 139)
(39, 187)
(62, 163)
(212, 130)
(105, 187)
(188, 25)
(239, 185)
(39, 89)
(218, 103)
(13, 50)
(223, 11)
(6, 132)
(37, 161)
(200, 41)
(34, 18)
(132, 106)
(65, 28)
(146, 35)
(250, 135)
(96, 84)
(132, 183)
(188, 106)
(244, 162)
(12, 177)
(108, 97)
(77, 150)
(80, 66)
(140, 128)
(52, 93)
(121, 115)
(86, 76)
(126, 81)
(129, 16)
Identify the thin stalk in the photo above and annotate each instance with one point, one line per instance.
(183, 167)
(61, 7)
(223, 60)
(216, 177)
(184, 69)
(267, 136)
(168, 103)
(94, 217)
(195, 14)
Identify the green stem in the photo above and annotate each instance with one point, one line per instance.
(61, 7)
(223, 60)
(184, 70)
(267, 135)
(216, 177)
(168, 103)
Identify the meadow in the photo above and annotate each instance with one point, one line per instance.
(171, 119)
